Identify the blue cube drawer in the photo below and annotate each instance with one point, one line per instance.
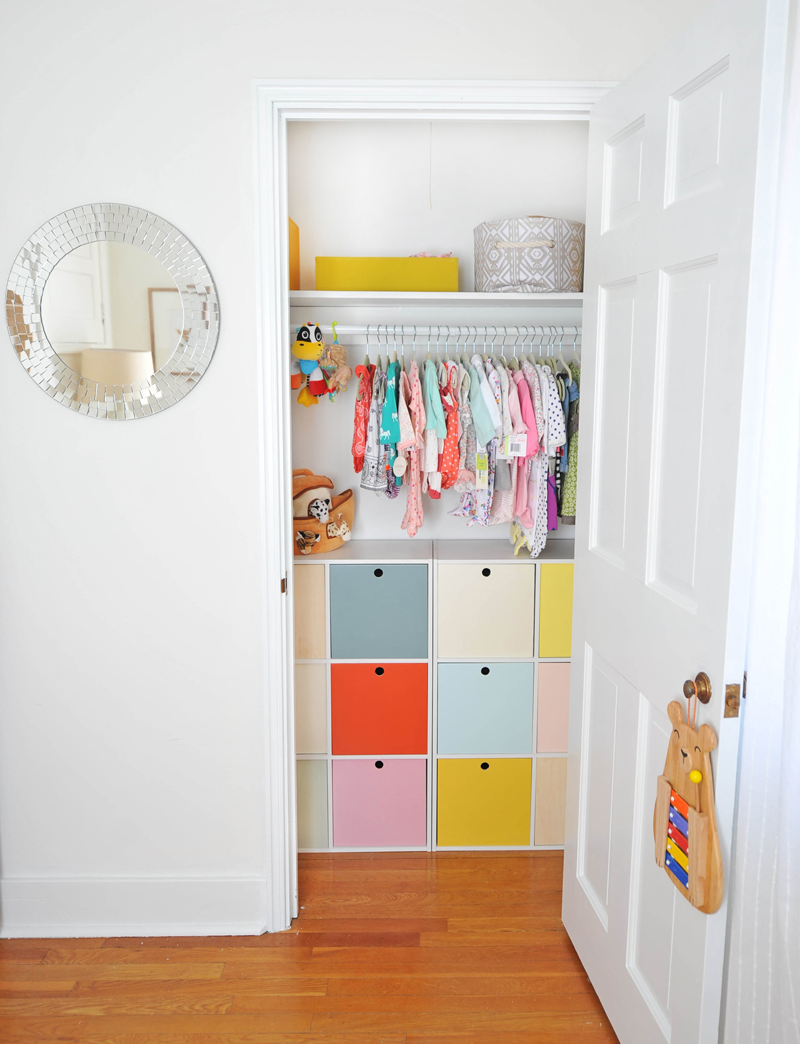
(485, 708)
(379, 612)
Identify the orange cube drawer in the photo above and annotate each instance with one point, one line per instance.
(379, 708)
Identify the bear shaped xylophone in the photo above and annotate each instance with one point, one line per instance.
(684, 821)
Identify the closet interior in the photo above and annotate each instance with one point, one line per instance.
(431, 672)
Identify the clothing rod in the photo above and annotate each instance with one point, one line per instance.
(463, 336)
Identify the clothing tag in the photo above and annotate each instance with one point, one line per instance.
(481, 471)
(513, 446)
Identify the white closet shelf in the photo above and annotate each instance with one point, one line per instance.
(375, 551)
(439, 550)
(368, 298)
(466, 550)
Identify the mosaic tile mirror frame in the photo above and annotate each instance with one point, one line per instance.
(175, 374)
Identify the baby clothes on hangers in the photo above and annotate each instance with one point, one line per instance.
(435, 429)
(390, 427)
(569, 494)
(449, 465)
(373, 474)
(413, 518)
(466, 441)
(363, 400)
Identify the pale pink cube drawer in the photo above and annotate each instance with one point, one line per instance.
(379, 803)
(552, 718)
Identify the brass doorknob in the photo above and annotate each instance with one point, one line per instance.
(700, 687)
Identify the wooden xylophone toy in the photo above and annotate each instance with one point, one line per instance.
(684, 821)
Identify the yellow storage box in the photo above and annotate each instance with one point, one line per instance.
(484, 802)
(388, 273)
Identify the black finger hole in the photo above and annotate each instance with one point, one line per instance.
(484, 764)
(484, 671)
(379, 671)
(378, 764)
(486, 572)
(378, 572)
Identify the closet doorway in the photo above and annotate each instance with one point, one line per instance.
(667, 286)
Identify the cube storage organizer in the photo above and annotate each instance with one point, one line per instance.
(431, 696)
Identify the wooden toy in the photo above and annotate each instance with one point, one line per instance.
(684, 821)
(322, 521)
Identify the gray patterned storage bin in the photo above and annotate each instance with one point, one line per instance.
(535, 255)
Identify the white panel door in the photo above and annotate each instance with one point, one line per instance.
(682, 160)
(74, 302)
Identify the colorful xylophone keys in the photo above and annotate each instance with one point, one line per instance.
(676, 858)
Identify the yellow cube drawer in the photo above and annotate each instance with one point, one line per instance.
(387, 273)
(485, 610)
(551, 801)
(555, 610)
(484, 806)
(309, 612)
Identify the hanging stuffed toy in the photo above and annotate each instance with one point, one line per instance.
(306, 371)
(685, 822)
(334, 366)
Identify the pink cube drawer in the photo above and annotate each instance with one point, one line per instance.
(379, 803)
(552, 720)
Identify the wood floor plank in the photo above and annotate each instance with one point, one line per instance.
(468, 1022)
(157, 955)
(452, 948)
(404, 968)
(433, 985)
(117, 972)
(560, 1003)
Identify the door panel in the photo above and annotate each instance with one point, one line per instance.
(682, 159)
(379, 708)
(486, 707)
(507, 594)
(379, 612)
(484, 801)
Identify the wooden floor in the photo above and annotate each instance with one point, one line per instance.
(388, 949)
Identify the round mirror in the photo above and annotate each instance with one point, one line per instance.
(112, 312)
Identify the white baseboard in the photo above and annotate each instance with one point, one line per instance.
(41, 908)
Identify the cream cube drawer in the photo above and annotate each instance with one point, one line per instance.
(485, 611)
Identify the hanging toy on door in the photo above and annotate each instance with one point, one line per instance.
(685, 822)
(334, 366)
(306, 371)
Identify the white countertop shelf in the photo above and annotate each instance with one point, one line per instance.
(375, 551)
(499, 551)
(466, 550)
(367, 298)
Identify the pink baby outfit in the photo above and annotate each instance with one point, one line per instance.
(411, 389)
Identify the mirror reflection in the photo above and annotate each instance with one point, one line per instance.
(112, 312)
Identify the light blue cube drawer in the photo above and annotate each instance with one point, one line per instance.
(379, 612)
(485, 708)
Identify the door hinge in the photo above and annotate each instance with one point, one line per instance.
(284, 585)
(732, 696)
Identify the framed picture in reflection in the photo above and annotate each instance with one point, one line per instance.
(166, 322)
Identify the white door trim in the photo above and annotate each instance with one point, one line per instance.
(275, 103)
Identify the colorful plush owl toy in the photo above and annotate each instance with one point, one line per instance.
(306, 371)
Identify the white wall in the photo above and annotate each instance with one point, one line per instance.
(390, 188)
(132, 705)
